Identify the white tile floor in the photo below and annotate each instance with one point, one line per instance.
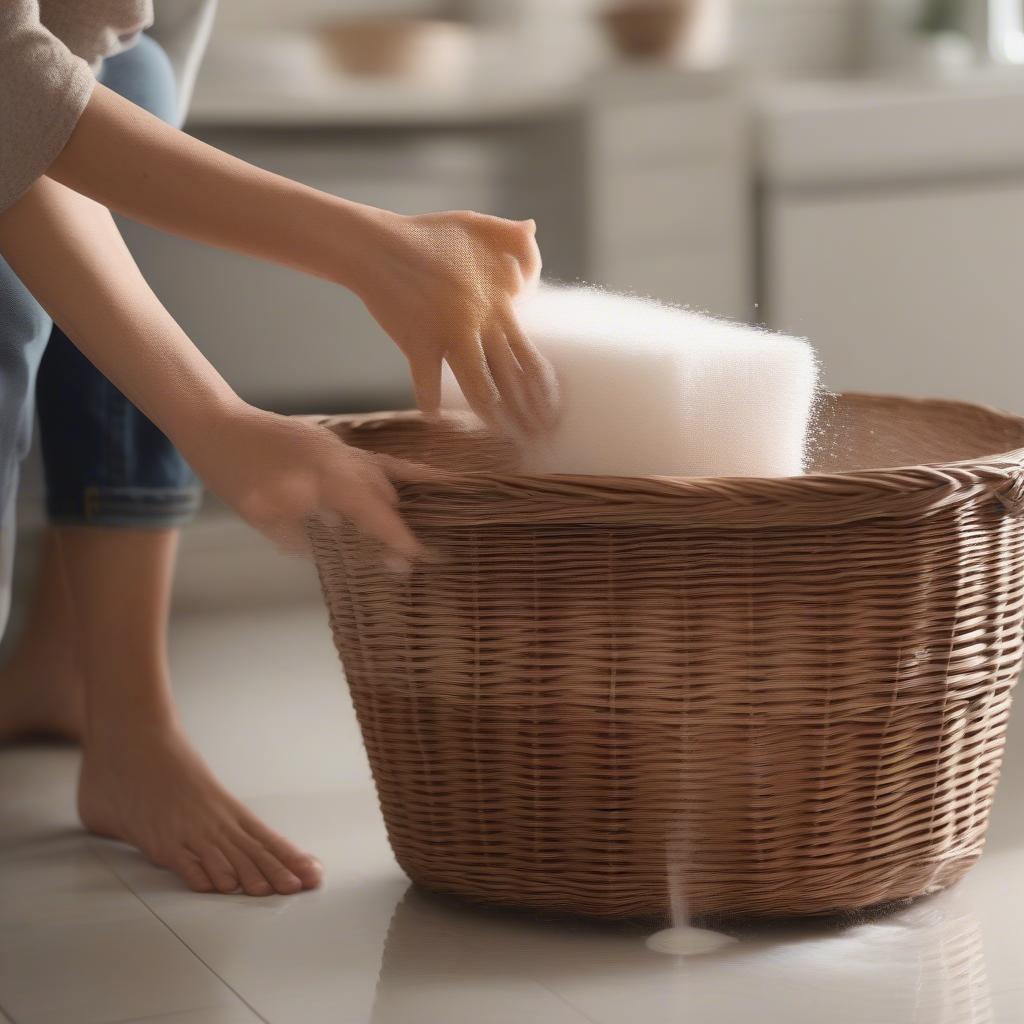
(90, 933)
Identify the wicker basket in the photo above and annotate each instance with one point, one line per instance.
(735, 696)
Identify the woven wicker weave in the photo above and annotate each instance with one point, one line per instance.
(753, 696)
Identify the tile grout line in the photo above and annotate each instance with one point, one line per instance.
(565, 1002)
(231, 988)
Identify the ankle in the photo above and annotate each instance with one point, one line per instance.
(130, 723)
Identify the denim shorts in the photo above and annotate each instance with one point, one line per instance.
(105, 464)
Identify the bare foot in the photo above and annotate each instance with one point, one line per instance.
(150, 788)
(40, 698)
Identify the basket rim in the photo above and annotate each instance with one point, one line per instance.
(811, 497)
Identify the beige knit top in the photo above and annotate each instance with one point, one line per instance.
(48, 52)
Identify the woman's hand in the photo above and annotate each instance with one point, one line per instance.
(444, 287)
(276, 471)
(273, 470)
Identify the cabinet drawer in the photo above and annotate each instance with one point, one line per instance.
(665, 131)
(710, 280)
(689, 201)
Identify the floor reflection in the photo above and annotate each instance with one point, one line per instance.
(920, 964)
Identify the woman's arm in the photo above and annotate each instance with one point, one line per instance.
(272, 469)
(442, 285)
(128, 160)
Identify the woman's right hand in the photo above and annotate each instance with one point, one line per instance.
(275, 471)
(444, 287)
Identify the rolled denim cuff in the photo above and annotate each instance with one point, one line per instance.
(139, 508)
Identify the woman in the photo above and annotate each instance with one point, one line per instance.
(92, 663)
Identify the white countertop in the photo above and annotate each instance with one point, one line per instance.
(302, 92)
(867, 131)
(347, 103)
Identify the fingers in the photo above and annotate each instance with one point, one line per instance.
(405, 471)
(530, 260)
(376, 519)
(494, 384)
(371, 507)
(353, 485)
(378, 483)
(541, 383)
(385, 524)
(511, 383)
(523, 252)
(426, 380)
(469, 364)
(404, 546)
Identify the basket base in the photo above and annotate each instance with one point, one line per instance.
(711, 908)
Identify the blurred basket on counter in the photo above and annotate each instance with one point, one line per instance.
(430, 49)
(647, 29)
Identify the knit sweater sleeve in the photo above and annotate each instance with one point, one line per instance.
(43, 90)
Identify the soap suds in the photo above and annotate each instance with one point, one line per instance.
(685, 940)
(653, 390)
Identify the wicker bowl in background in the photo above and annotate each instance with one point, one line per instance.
(647, 29)
(730, 696)
(399, 47)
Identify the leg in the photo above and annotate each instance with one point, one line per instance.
(116, 492)
(24, 329)
(141, 781)
(106, 465)
(41, 686)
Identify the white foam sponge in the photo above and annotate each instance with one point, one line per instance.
(653, 390)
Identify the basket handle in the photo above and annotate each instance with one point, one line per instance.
(1011, 495)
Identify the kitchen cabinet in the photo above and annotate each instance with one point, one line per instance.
(296, 342)
(891, 243)
(908, 293)
(669, 193)
(639, 181)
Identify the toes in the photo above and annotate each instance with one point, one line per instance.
(220, 869)
(282, 878)
(303, 866)
(255, 881)
(308, 868)
(192, 873)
